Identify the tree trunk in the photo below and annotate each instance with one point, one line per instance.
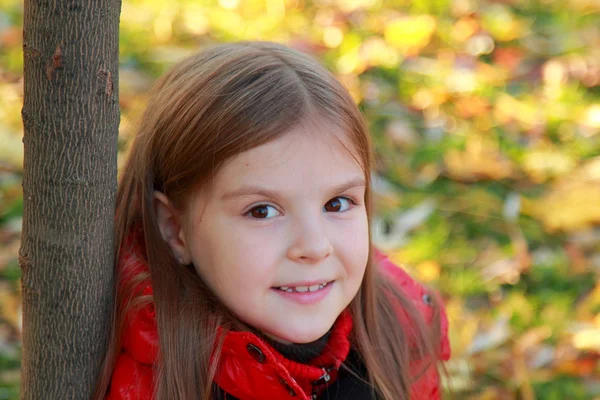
(71, 118)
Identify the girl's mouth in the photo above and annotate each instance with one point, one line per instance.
(304, 289)
(305, 295)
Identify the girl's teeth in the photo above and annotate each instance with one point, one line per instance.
(303, 289)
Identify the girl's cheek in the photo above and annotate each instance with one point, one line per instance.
(355, 229)
(354, 242)
(259, 241)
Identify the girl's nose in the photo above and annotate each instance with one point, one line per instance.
(311, 243)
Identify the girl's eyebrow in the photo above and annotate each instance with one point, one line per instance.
(249, 190)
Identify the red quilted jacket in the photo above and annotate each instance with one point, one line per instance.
(250, 369)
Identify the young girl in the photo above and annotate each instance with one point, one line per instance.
(245, 268)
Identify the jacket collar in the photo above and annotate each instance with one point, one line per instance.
(250, 366)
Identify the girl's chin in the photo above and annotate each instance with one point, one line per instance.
(277, 339)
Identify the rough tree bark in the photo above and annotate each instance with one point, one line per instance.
(70, 117)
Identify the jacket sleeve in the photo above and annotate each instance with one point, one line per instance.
(427, 386)
(132, 378)
(140, 332)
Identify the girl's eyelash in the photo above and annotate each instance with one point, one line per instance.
(351, 199)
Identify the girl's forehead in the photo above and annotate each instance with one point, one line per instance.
(301, 150)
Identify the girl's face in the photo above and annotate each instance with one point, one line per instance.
(281, 237)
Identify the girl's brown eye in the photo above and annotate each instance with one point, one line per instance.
(263, 211)
(259, 212)
(337, 204)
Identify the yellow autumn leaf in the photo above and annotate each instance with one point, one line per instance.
(586, 307)
(572, 203)
(349, 63)
(502, 24)
(481, 160)
(332, 36)
(194, 19)
(397, 257)
(377, 52)
(570, 210)
(464, 28)
(410, 34)
(227, 21)
(587, 339)
(544, 164)
(591, 117)
(11, 151)
(10, 306)
(464, 325)
(488, 393)
(428, 271)
(526, 112)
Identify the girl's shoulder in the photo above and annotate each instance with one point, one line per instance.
(425, 300)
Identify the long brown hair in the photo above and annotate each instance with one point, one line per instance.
(206, 109)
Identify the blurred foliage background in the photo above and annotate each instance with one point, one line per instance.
(486, 120)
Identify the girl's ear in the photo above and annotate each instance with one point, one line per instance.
(169, 224)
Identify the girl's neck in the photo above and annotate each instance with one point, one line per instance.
(300, 352)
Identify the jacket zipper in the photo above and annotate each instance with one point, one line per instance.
(323, 380)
